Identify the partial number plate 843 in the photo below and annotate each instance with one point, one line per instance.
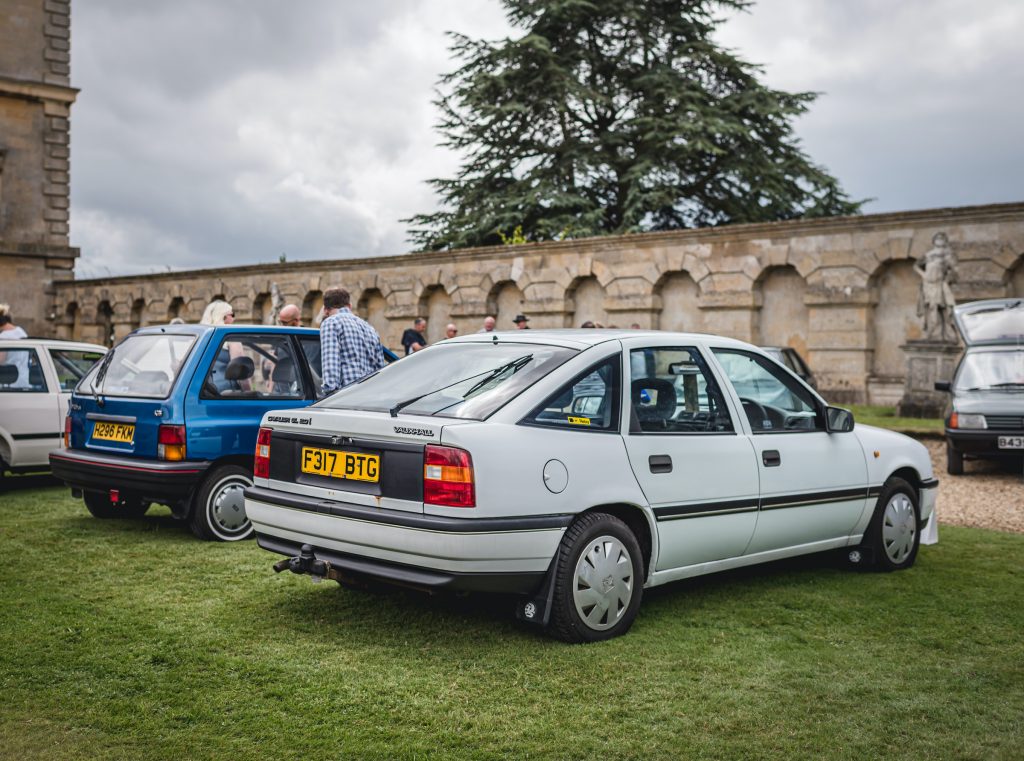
(1011, 442)
(351, 465)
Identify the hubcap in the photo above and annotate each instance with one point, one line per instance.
(899, 525)
(228, 505)
(604, 583)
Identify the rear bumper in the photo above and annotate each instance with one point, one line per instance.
(152, 480)
(982, 443)
(426, 552)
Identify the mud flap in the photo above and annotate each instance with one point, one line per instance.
(537, 609)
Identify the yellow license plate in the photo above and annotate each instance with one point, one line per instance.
(331, 462)
(114, 432)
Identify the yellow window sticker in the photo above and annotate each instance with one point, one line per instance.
(579, 421)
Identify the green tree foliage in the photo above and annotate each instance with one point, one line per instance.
(612, 117)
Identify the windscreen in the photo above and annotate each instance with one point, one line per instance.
(461, 380)
(985, 370)
(1002, 323)
(140, 366)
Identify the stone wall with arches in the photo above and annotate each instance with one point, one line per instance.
(842, 291)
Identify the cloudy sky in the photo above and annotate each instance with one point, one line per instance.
(219, 132)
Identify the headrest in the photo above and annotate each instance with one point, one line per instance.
(664, 398)
(240, 368)
(8, 374)
(284, 371)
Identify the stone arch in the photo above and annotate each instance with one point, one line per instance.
(312, 304)
(71, 325)
(137, 314)
(105, 322)
(587, 295)
(261, 309)
(177, 309)
(783, 319)
(372, 307)
(436, 306)
(894, 287)
(504, 301)
(1015, 279)
(679, 295)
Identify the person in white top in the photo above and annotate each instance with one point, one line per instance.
(19, 359)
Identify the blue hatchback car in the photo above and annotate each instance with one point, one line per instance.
(170, 416)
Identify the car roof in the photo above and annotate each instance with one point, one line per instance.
(236, 327)
(584, 338)
(50, 343)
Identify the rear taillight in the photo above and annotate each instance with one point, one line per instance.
(170, 442)
(448, 477)
(261, 462)
(67, 432)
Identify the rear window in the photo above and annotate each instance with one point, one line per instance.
(1004, 322)
(461, 380)
(140, 366)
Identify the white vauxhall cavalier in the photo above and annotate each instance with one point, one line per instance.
(576, 468)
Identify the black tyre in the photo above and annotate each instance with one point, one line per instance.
(100, 506)
(894, 533)
(218, 510)
(598, 580)
(954, 460)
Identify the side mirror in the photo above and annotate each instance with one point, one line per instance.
(943, 386)
(838, 420)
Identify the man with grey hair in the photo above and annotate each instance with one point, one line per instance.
(489, 323)
(451, 330)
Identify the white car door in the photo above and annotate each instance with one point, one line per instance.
(29, 407)
(689, 455)
(813, 483)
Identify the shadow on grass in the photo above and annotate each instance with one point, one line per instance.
(15, 484)
(385, 616)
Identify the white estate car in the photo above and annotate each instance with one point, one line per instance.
(37, 376)
(578, 467)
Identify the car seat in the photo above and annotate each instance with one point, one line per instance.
(653, 416)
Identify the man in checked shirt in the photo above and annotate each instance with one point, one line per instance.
(349, 347)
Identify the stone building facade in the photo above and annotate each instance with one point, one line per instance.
(842, 291)
(35, 105)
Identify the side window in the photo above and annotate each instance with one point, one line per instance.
(673, 391)
(20, 372)
(72, 364)
(253, 366)
(311, 350)
(772, 400)
(589, 402)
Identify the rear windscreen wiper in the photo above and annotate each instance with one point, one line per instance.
(491, 374)
(101, 374)
(515, 366)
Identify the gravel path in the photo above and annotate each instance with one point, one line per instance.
(988, 495)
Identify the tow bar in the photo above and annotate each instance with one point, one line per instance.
(306, 563)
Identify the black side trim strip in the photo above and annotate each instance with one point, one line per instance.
(798, 500)
(35, 436)
(707, 508)
(932, 483)
(408, 520)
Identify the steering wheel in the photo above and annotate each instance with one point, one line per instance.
(757, 424)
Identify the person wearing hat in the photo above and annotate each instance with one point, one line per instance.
(520, 321)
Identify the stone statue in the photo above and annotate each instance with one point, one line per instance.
(276, 302)
(935, 301)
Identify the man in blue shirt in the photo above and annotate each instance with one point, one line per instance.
(349, 347)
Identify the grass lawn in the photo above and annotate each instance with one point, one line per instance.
(885, 417)
(133, 640)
